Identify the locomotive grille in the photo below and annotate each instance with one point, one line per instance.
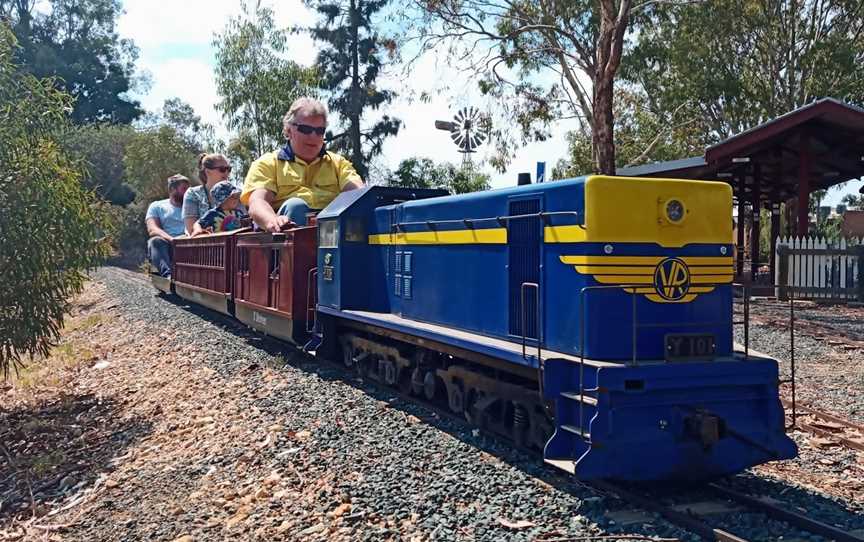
(524, 240)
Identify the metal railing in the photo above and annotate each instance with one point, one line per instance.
(311, 300)
(636, 325)
(501, 220)
(524, 287)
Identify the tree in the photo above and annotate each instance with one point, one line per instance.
(420, 172)
(255, 82)
(350, 62)
(854, 200)
(644, 135)
(100, 148)
(53, 229)
(76, 43)
(198, 135)
(757, 61)
(509, 42)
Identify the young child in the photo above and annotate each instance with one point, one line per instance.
(225, 216)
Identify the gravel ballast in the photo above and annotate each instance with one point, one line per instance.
(246, 439)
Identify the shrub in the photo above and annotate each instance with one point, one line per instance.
(51, 229)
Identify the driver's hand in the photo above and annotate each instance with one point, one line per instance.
(278, 224)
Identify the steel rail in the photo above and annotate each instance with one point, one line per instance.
(783, 514)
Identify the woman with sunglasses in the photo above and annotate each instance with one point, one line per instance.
(212, 168)
(282, 187)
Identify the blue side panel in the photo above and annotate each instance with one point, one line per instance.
(357, 274)
(481, 347)
(470, 286)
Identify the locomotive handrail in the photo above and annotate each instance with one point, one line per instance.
(310, 307)
(522, 289)
(501, 220)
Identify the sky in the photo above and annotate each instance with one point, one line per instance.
(176, 53)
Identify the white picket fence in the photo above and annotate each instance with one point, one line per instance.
(815, 268)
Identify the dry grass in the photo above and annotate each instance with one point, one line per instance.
(71, 353)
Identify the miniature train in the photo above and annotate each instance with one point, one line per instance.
(589, 318)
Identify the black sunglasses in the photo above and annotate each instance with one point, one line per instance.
(221, 169)
(308, 130)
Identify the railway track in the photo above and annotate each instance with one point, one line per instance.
(827, 425)
(694, 517)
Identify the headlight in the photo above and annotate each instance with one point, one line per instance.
(674, 211)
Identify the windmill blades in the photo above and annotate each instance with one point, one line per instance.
(477, 139)
(459, 118)
(458, 138)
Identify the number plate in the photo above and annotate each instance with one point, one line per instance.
(690, 346)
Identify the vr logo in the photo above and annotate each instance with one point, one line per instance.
(672, 279)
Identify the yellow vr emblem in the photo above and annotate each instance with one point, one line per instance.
(672, 279)
(659, 279)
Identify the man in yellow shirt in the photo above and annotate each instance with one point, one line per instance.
(282, 186)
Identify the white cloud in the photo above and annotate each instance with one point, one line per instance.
(191, 80)
(195, 22)
(177, 51)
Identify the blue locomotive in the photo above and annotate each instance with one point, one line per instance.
(588, 318)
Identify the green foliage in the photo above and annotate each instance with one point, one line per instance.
(241, 152)
(420, 172)
(76, 42)
(197, 135)
(53, 230)
(854, 200)
(756, 61)
(643, 136)
(350, 61)
(100, 149)
(255, 82)
(540, 62)
(152, 156)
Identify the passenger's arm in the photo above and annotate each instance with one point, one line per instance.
(198, 229)
(353, 184)
(190, 224)
(154, 229)
(348, 177)
(190, 212)
(261, 211)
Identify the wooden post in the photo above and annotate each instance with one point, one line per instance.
(860, 276)
(739, 249)
(783, 279)
(756, 207)
(775, 233)
(803, 184)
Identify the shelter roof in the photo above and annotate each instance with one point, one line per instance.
(827, 136)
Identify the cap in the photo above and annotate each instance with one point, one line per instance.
(222, 191)
(176, 180)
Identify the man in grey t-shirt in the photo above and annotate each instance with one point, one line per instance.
(164, 221)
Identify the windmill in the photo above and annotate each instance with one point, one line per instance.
(468, 130)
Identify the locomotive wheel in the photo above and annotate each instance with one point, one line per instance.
(456, 398)
(430, 386)
(417, 383)
(389, 370)
(348, 356)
